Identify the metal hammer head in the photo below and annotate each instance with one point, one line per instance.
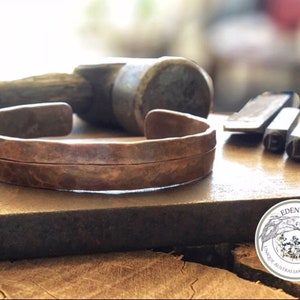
(125, 91)
(119, 93)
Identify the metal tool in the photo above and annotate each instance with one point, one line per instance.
(275, 135)
(259, 112)
(119, 92)
(293, 143)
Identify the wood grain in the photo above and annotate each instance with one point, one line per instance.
(247, 265)
(128, 275)
(53, 87)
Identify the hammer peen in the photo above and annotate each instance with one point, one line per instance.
(119, 93)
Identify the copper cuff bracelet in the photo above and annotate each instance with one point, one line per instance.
(179, 148)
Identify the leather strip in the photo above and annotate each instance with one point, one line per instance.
(178, 148)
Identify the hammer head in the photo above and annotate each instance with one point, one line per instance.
(125, 92)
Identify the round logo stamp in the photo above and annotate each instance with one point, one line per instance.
(277, 240)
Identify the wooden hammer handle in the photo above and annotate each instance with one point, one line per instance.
(54, 87)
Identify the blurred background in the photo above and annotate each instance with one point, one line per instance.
(246, 46)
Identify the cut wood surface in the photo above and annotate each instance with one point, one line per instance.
(140, 274)
(248, 266)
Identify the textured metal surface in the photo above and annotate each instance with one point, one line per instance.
(172, 83)
(283, 124)
(35, 120)
(223, 207)
(101, 78)
(79, 165)
(259, 112)
(293, 143)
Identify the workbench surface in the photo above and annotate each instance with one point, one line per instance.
(224, 207)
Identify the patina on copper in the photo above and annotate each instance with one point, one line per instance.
(178, 148)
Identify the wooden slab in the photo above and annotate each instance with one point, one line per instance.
(134, 275)
(224, 207)
(247, 265)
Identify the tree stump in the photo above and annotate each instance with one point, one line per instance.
(139, 274)
(247, 265)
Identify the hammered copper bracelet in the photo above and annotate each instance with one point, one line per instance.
(179, 148)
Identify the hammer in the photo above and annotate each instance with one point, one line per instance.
(119, 93)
